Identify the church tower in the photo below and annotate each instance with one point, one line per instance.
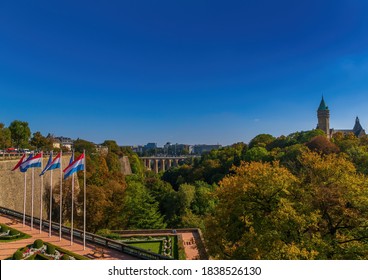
(323, 114)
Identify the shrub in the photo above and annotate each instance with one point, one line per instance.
(50, 249)
(18, 255)
(65, 257)
(38, 243)
(13, 232)
(4, 229)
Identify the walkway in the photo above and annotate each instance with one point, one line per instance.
(8, 248)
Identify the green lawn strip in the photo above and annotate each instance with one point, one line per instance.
(152, 246)
(5, 228)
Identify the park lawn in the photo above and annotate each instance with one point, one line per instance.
(152, 246)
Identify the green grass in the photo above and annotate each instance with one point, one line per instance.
(153, 246)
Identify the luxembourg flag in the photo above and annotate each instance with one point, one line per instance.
(31, 162)
(51, 165)
(23, 159)
(75, 166)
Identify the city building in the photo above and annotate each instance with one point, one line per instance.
(200, 149)
(323, 115)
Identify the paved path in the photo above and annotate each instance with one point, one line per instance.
(8, 248)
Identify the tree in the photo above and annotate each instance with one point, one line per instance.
(141, 210)
(261, 140)
(254, 217)
(323, 145)
(5, 137)
(20, 133)
(257, 154)
(338, 198)
(40, 142)
(113, 147)
(80, 145)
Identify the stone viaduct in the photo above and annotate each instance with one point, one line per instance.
(163, 163)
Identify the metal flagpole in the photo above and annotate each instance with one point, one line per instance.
(50, 215)
(41, 193)
(32, 198)
(85, 214)
(72, 222)
(61, 192)
(24, 198)
(71, 231)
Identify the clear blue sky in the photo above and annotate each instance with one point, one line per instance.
(182, 71)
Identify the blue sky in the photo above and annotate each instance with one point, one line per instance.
(182, 71)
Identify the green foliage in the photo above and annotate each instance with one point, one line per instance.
(113, 147)
(141, 211)
(50, 249)
(80, 145)
(4, 228)
(5, 137)
(38, 243)
(257, 154)
(65, 257)
(20, 133)
(40, 142)
(261, 140)
(113, 163)
(18, 255)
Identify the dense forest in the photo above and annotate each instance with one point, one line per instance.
(300, 196)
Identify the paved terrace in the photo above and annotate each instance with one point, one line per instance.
(8, 248)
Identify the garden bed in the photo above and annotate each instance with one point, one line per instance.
(8, 234)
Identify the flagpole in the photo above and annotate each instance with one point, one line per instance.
(32, 198)
(71, 232)
(50, 215)
(61, 192)
(72, 222)
(41, 193)
(85, 214)
(24, 199)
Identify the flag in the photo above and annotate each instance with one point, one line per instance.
(75, 166)
(19, 162)
(51, 165)
(31, 162)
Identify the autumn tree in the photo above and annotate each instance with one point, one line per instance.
(255, 218)
(337, 196)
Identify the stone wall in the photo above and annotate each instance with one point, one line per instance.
(125, 166)
(12, 187)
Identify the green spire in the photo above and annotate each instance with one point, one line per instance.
(322, 105)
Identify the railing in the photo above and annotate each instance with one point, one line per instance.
(90, 237)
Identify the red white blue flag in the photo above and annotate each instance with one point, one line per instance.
(75, 166)
(51, 165)
(23, 159)
(31, 162)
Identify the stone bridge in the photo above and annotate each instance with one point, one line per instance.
(163, 163)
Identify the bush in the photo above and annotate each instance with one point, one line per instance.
(50, 249)
(4, 228)
(13, 232)
(18, 255)
(38, 243)
(65, 257)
